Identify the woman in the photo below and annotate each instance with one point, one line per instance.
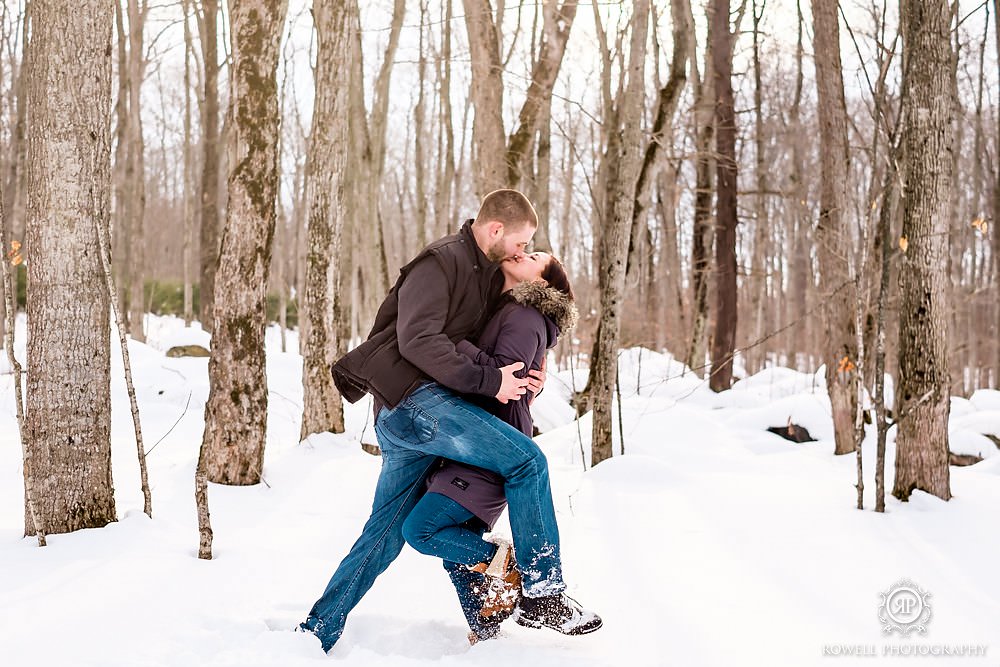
(463, 502)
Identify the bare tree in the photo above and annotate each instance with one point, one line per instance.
(758, 282)
(922, 397)
(556, 25)
(236, 410)
(995, 255)
(446, 177)
(724, 340)
(209, 209)
(323, 305)
(488, 136)
(186, 204)
(703, 233)
(68, 407)
(30, 494)
(135, 172)
(14, 192)
(832, 237)
(624, 153)
(104, 241)
(667, 102)
(366, 169)
(499, 163)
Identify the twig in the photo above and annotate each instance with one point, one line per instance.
(618, 390)
(175, 424)
(29, 477)
(910, 408)
(105, 253)
(579, 433)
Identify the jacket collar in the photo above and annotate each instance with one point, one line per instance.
(549, 301)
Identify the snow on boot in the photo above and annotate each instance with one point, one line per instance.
(500, 564)
(559, 612)
(504, 583)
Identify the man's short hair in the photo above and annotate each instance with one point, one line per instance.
(509, 207)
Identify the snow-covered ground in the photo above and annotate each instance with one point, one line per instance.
(710, 542)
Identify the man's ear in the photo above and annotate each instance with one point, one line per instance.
(496, 229)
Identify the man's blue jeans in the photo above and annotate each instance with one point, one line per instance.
(433, 421)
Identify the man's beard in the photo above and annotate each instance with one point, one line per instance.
(496, 252)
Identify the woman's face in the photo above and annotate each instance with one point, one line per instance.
(528, 269)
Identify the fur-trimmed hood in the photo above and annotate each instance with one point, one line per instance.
(550, 302)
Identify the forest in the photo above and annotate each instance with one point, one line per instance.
(745, 185)
(779, 220)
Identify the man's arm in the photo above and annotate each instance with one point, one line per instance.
(518, 340)
(422, 314)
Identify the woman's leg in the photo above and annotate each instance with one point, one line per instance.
(437, 526)
(471, 588)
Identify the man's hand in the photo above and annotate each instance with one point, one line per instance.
(511, 387)
(536, 381)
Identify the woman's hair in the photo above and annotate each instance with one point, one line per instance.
(554, 274)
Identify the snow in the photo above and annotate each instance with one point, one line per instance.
(709, 542)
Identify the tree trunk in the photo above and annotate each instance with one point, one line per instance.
(135, 173)
(543, 176)
(556, 25)
(443, 206)
(669, 98)
(794, 307)
(672, 309)
(419, 146)
(366, 167)
(884, 238)
(624, 149)
(121, 266)
(14, 193)
(236, 411)
(322, 406)
(68, 408)
(833, 240)
(995, 255)
(756, 354)
(923, 399)
(724, 340)
(186, 204)
(209, 223)
(702, 235)
(489, 138)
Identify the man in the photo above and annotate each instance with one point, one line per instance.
(411, 367)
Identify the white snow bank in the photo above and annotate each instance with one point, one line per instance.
(710, 542)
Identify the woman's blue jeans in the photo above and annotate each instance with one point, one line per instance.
(438, 526)
(435, 422)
